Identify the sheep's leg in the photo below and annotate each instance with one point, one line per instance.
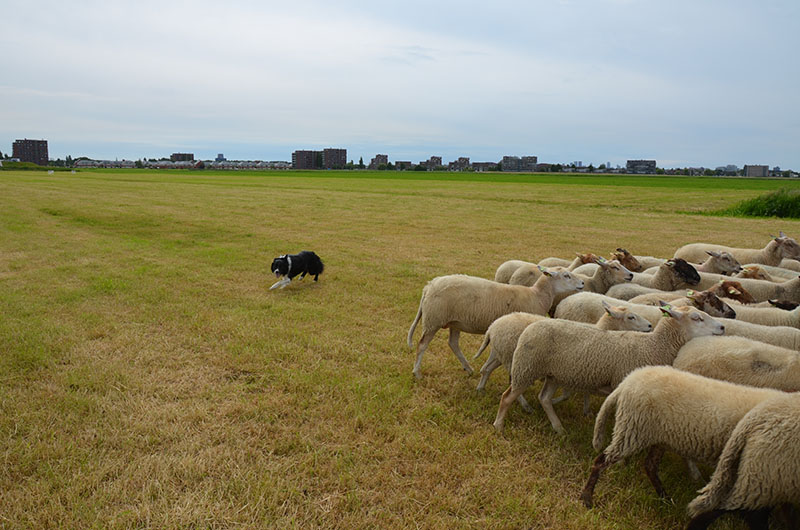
(756, 519)
(565, 394)
(651, 463)
(509, 396)
(694, 472)
(524, 404)
(703, 520)
(587, 406)
(453, 341)
(426, 339)
(488, 367)
(546, 399)
(600, 463)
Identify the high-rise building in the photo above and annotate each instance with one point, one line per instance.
(30, 151)
(647, 167)
(378, 160)
(756, 171)
(334, 158)
(182, 157)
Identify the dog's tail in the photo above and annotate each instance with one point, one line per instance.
(416, 321)
(315, 265)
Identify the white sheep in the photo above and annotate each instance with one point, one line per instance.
(741, 360)
(777, 249)
(471, 304)
(717, 262)
(767, 316)
(507, 269)
(606, 275)
(661, 407)
(760, 290)
(581, 357)
(588, 307)
(672, 274)
(731, 289)
(505, 331)
(759, 467)
(782, 336)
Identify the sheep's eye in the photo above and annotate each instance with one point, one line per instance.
(697, 317)
(630, 317)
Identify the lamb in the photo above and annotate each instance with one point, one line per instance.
(778, 248)
(660, 407)
(731, 289)
(470, 304)
(505, 331)
(743, 361)
(508, 268)
(759, 467)
(583, 358)
(672, 274)
(588, 308)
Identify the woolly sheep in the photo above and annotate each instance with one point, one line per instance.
(508, 268)
(470, 304)
(756, 272)
(741, 360)
(627, 259)
(767, 316)
(782, 336)
(588, 307)
(777, 249)
(671, 275)
(791, 264)
(583, 358)
(505, 331)
(717, 263)
(777, 274)
(731, 289)
(660, 407)
(760, 290)
(759, 467)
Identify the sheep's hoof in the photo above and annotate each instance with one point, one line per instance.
(469, 371)
(480, 390)
(587, 499)
(417, 375)
(498, 427)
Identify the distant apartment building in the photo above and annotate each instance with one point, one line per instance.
(334, 158)
(484, 166)
(220, 158)
(516, 163)
(182, 157)
(756, 171)
(403, 164)
(304, 159)
(30, 151)
(378, 160)
(643, 167)
(459, 165)
(432, 163)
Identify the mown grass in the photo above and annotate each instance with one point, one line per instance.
(148, 378)
(784, 203)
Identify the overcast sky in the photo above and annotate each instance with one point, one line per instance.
(688, 83)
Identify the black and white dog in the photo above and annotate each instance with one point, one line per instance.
(288, 266)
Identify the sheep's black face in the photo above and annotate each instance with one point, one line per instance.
(280, 266)
(686, 271)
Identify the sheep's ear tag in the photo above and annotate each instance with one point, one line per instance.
(690, 293)
(666, 309)
(601, 259)
(543, 270)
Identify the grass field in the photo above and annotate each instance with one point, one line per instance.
(148, 378)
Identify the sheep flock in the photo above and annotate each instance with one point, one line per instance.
(697, 353)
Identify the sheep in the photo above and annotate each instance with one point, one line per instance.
(743, 361)
(775, 274)
(627, 259)
(661, 407)
(608, 274)
(587, 307)
(760, 290)
(782, 336)
(731, 289)
(768, 316)
(777, 249)
(756, 272)
(758, 468)
(792, 264)
(650, 261)
(470, 304)
(507, 269)
(581, 357)
(504, 332)
(672, 274)
(720, 262)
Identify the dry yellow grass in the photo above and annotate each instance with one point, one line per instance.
(148, 378)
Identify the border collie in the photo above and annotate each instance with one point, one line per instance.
(288, 266)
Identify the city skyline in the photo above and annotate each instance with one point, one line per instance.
(686, 84)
